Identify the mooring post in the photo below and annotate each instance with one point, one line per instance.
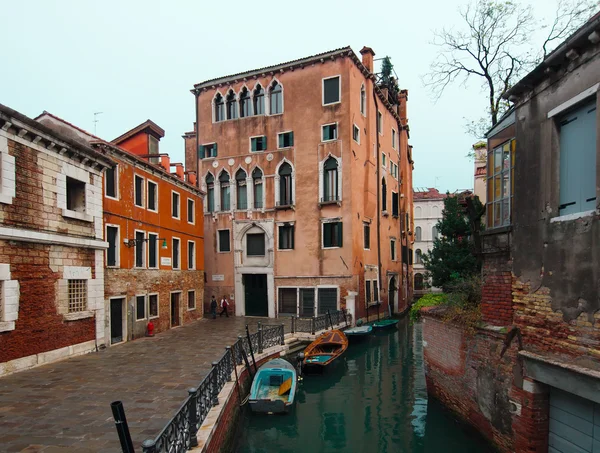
(122, 427)
(330, 321)
(193, 416)
(260, 340)
(251, 348)
(293, 322)
(282, 334)
(215, 384)
(149, 446)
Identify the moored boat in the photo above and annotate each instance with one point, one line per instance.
(358, 332)
(324, 350)
(273, 388)
(385, 324)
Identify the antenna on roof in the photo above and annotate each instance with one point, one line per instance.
(96, 120)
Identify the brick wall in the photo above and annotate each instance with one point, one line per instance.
(496, 290)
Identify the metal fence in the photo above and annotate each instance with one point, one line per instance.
(180, 433)
(321, 322)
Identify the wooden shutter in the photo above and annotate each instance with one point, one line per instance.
(340, 234)
(327, 234)
(201, 152)
(327, 298)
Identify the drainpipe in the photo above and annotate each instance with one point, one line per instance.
(377, 172)
(197, 143)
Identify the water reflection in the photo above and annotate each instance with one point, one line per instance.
(375, 400)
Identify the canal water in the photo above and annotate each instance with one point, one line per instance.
(373, 401)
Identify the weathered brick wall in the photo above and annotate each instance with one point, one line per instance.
(496, 290)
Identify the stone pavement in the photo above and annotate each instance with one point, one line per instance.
(65, 406)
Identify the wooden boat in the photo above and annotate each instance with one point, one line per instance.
(385, 324)
(356, 333)
(324, 350)
(273, 388)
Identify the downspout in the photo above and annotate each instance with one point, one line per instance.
(197, 143)
(378, 215)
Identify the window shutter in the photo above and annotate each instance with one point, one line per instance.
(201, 152)
(281, 237)
(265, 143)
(215, 150)
(327, 234)
(340, 234)
(292, 232)
(253, 144)
(291, 139)
(280, 138)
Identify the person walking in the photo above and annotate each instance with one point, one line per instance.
(224, 305)
(213, 307)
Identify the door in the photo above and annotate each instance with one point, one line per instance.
(116, 320)
(255, 292)
(175, 309)
(307, 302)
(392, 294)
(574, 424)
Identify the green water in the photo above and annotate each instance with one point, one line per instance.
(373, 401)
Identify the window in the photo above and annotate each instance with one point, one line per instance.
(219, 108)
(140, 249)
(258, 143)
(363, 99)
(419, 283)
(153, 250)
(330, 180)
(394, 170)
(191, 255)
(356, 133)
(418, 256)
(175, 205)
(259, 100)
(111, 181)
(207, 151)
(140, 308)
(255, 244)
(153, 149)
(375, 291)
(500, 168)
(418, 233)
(75, 195)
(232, 112)
(191, 300)
(383, 195)
(241, 192)
(285, 140)
(366, 236)
(139, 191)
(285, 185)
(327, 300)
(176, 255)
(331, 90)
(368, 295)
(258, 188)
(276, 97)
(245, 103)
(329, 132)
(225, 191)
(393, 249)
(578, 143)
(434, 233)
(152, 199)
(77, 290)
(383, 160)
(191, 211)
(152, 305)
(286, 237)
(210, 193)
(394, 138)
(379, 120)
(287, 300)
(332, 234)
(112, 253)
(224, 245)
(395, 204)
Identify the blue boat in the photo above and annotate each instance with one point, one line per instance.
(274, 388)
(356, 333)
(385, 324)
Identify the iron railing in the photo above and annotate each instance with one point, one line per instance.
(321, 322)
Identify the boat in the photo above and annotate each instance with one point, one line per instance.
(356, 333)
(273, 388)
(385, 324)
(324, 350)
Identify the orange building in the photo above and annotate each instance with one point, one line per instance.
(308, 175)
(153, 223)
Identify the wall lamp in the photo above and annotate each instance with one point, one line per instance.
(133, 242)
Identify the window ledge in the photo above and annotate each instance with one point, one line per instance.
(384, 213)
(285, 206)
(332, 248)
(7, 326)
(77, 215)
(285, 250)
(575, 216)
(497, 230)
(6, 199)
(78, 315)
(326, 203)
(395, 216)
(113, 267)
(153, 317)
(191, 309)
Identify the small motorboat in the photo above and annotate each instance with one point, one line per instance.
(385, 324)
(360, 332)
(273, 388)
(324, 350)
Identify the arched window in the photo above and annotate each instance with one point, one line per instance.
(363, 99)
(285, 185)
(232, 112)
(258, 188)
(419, 282)
(259, 100)
(383, 195)
(330, 180)
(219, 108)
(418, 256)
(225, 191)
(434, 232)
(418, 212)
(245, 103)
(418, 233)
(241, 192)
(435, 211)
(210, 192)
(276, 97)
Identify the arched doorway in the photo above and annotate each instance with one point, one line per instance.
(418, 282)
(393, 294)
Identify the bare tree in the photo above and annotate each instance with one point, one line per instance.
(495, 47)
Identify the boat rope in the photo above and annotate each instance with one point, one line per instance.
(245, 400)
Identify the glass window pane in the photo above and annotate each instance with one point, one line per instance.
(497, 213)
(497, 160)
(497, 187)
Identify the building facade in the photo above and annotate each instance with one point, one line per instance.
(479, 171)
(52, 245)
(307, 170)
(153, 224)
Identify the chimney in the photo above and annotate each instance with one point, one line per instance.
(191, 177)
(165, 162)
(367, 58)
(178, 170)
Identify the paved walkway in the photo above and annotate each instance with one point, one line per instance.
(65, 407)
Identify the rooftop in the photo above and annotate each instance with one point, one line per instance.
(427, 194)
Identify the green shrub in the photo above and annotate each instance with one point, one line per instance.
(428, 300)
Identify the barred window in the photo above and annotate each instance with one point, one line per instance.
(77, 295)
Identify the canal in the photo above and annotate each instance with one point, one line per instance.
(374, 400)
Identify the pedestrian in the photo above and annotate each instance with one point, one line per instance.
(213, 307)
(224, 305)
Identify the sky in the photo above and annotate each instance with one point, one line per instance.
(136, 60)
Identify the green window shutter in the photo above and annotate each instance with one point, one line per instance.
(201, 152)
(252, 144)
(291, 139)
(327, 234)
(280, 238)
(340, 234)
(265, 143)
(280, 138)
(293, 232)
(215, 152)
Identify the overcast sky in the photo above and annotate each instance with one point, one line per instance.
(134, 60)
